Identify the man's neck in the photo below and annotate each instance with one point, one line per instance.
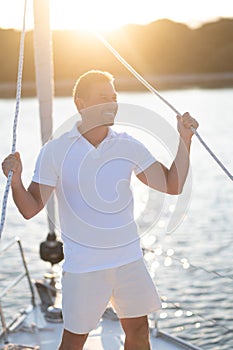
(94, 135)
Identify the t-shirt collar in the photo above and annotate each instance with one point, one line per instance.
(75, 133)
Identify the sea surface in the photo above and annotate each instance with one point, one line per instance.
(188, 240)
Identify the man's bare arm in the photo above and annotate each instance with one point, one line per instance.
(172, 180)
(29, 201)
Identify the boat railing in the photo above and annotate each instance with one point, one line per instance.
(10, 286)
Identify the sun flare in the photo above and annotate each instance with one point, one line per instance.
(88, 15)
(105, 15)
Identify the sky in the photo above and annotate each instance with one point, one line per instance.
(109, 14)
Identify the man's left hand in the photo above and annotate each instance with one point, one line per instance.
(184, 124)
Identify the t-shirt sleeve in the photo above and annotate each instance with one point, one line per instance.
(45, 172)
(143, 158)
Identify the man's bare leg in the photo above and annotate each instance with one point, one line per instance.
(72, 341)
(137, 333)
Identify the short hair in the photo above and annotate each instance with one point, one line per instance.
(87, 80)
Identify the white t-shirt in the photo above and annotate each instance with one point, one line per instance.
(95, 200)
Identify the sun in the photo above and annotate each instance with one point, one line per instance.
(88, 14)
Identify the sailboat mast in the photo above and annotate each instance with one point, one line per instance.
(43, 53)
(44, 66)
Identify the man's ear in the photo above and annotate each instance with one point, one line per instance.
(79, 103)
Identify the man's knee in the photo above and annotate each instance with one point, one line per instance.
(72, 341)
(136, 328)
(137, 336)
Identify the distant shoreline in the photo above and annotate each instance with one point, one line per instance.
(163, 82)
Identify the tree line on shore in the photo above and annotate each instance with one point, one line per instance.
(162, 47)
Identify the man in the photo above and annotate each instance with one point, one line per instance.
(90, 169)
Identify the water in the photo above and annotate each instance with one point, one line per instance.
(192, 265)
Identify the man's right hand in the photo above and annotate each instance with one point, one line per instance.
(13, 162)
(29, 201)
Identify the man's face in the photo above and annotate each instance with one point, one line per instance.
(100, 106)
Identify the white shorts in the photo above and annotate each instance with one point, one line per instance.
(85, 296)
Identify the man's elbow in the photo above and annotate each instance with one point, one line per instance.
(175, 190)
(175, 193)
(29, 214)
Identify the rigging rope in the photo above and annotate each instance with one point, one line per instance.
(18, 98)
(155, 92)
